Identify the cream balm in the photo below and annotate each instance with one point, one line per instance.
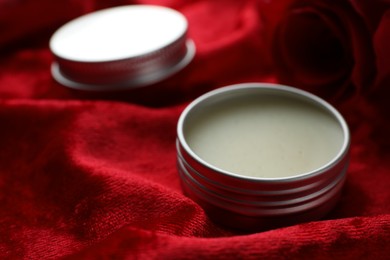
(254, 151)
(265, 135)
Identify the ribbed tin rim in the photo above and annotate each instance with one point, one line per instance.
(146, 80)
(299, 190)
(261, 210)
(269, 201)
(275, 87)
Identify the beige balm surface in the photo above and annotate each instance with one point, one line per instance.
(264, 135)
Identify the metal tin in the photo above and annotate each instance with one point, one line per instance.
(253, 203)
(121, 48)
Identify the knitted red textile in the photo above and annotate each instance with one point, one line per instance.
(86, 176)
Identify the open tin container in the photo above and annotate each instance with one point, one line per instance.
(121, 48)
(257, 156)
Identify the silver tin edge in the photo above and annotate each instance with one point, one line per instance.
(340, 156)
(146, 80)
(255, 202)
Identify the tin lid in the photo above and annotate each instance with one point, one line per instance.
(120, 48)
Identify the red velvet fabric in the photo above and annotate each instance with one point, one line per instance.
(88, 176)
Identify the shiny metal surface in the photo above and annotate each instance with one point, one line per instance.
(103, 68)
(260, 203)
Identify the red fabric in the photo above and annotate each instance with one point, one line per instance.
(88, 176)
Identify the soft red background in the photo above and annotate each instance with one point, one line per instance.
(85, 175)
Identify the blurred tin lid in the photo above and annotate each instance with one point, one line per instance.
(120, 48)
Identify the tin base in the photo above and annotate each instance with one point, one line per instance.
(246, 223)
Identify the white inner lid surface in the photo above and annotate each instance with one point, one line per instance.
(118, 33)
